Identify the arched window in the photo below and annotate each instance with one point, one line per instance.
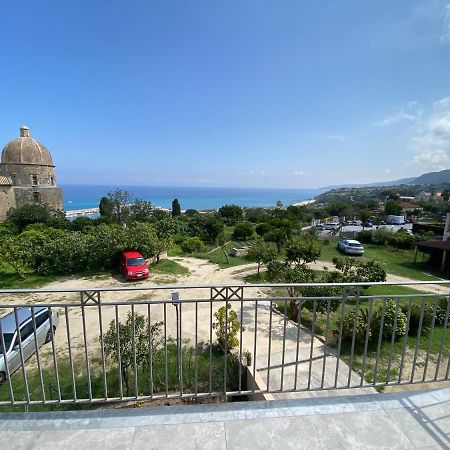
(37, 197)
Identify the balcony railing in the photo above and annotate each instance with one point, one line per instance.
(161, 342)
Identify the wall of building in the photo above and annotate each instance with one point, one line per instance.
(22, 174)
(51, 196)
(7, 201)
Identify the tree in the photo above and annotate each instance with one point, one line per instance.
(279, 204)
(358, 271)
(262, 252)
(28, 214)
(221, 241)
(176, 208)
(128, 346)
(231, 214)
(141, 210)
(243, 230)
(392, 208)
(303, 251)
(12, 253)
(446, 194)
(105, 207)
(280, 272)
(120, 201)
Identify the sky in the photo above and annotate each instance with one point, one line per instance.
(239, 93)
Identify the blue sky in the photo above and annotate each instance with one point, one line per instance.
(239, 93)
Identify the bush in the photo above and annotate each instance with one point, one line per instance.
(243, 230)
(348, 325)
(192, 245)
(364, 237)
(414, 319)
(441, 312)
(227, 328)
(389, 321)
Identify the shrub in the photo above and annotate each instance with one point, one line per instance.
(263, 228)
(414, 319)
(243, 230)
(192, 245)
(389, 321)
(441, 312)
(365, 237)
(227, 326)
(348, 325)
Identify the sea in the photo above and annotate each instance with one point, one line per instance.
(201, 198)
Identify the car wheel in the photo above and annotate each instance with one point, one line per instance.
(50, 335)
(2, 378)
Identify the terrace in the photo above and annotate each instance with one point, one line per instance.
(235, 370)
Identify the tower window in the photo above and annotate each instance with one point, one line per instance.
(37, 197)
(34, 180)
(52, 181)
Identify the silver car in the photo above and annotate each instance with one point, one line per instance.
(351, 247)
(29, 335)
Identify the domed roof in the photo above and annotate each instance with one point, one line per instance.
(26, 150)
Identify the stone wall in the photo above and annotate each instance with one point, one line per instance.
(51, 196)
(22, 174)
(7, 200)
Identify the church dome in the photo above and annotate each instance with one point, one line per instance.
(26, 150)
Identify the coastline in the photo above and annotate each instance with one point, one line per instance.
(89, 212)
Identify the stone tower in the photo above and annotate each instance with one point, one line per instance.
(27, 175)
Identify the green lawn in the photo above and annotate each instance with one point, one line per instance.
(394, 261)
(10, 280)
(170, 267)
(196, 377)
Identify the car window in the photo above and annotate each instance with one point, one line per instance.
(41, 318)
(8, 337)
(26, 330)
(135, 261)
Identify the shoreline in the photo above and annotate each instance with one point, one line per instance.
(86, 212)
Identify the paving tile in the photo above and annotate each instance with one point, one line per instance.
(104, 439)
(18, 440)
(186, 436)
(418, 427)
(371, 429)
(285, 432)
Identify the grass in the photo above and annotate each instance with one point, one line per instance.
(381, 372)
(10, 280)
(169, 267)
(196, 369)
(394, 261)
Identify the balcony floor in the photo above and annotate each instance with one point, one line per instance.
(406, 420)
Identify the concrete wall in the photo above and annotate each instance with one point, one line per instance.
(256, 383)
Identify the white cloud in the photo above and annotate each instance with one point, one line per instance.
(442, 103)
(387, 170)
(434, 160)
(336, 137)
(432, 139)
(299, 173)
(445, 15)
(411, 112)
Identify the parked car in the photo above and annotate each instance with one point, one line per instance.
(351, 247)
(367, 225)
(40, 332)
(133, 266)
(332, 226)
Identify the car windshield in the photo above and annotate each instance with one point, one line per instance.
(353, 244)
(8, 337)
(139, 261)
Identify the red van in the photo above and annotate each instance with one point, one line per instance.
(133, 266)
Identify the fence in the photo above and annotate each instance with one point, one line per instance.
(138, 344)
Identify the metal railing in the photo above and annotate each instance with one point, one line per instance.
(161, 342)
